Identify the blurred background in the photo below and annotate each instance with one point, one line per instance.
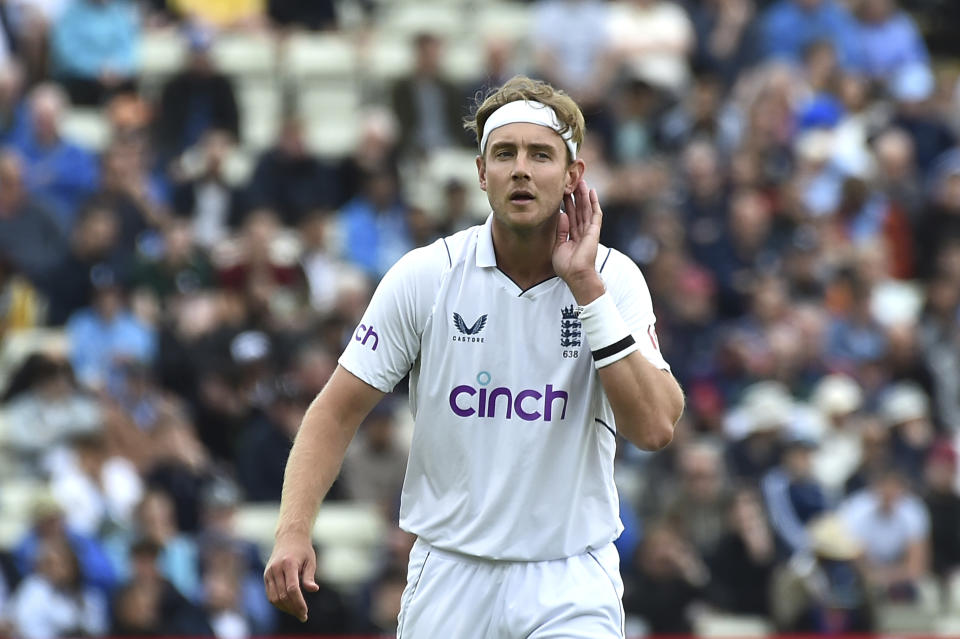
(197, 198)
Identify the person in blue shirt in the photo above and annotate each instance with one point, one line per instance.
(49, 524)
(788, 27)
(106, 335)
(887, 39)
(93, 46)
(792, 495)
(375, 225)
(59, 172)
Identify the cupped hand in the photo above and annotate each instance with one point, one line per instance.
(578, 237)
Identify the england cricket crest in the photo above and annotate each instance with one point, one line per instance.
(570, 329)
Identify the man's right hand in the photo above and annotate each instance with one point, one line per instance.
(293, 563)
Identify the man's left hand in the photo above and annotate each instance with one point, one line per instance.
(578, 236)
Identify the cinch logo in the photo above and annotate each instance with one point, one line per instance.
(363, 333)
(528, 404)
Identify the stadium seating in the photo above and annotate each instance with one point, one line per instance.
(349, 535)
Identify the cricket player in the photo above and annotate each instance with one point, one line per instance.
(530, 347)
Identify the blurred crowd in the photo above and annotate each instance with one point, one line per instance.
(785, 172)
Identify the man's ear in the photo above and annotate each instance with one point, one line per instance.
(574, 174)
(482, 172)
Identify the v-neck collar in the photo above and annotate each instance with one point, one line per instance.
(487, 258)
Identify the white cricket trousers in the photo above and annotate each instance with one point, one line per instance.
(454, 596)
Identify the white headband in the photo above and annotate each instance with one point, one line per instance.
(527, 111)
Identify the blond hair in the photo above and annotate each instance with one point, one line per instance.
(520, 87)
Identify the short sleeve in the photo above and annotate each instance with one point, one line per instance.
(626, 285)
(917, 519)
(386, 342)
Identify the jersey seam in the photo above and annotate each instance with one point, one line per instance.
(605, 425)
(447, 246)
(609, 251)
(623, 614)
(413, 594)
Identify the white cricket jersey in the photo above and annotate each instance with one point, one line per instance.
(513, 444)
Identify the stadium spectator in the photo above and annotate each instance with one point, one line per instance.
(203, 192)
(498, 67)
(632, 131)
(180, 268)
(376, 151)
(887, 38)
(698, 116)
(664, 581)
(837, 398)
(196, 100)
(325, 271)
(262, 451)
(792, 496)
(727, 35)
(97, 490)
(789, 26)
(428, 106)
(44, 408)
(753, 429)
(874, 458)
(938, 332)
(700, 506)
(943, 502)
(94, 248)
(48, 526)
(892, 525)
(912, 87)
(221, 547)
(222, 607)
(127, 187)
(905, 410)
(653, 39)
(106, 334)
(179, 466)
(897, 175)
(289, 179)
(93, 49)
(30, 235)
(376, 462)
(938, 226)
(743, 560)
(154, 549)
(55, 169)
(54, 602)
(136, 611)
(154, 596)
(572, 48)
(374, 225)
(826, 591)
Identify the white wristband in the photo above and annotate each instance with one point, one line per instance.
(607, 334)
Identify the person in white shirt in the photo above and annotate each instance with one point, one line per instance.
(54, 601)
(529, 347)
(893, 526)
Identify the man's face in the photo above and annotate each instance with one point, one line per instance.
(525, 173)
